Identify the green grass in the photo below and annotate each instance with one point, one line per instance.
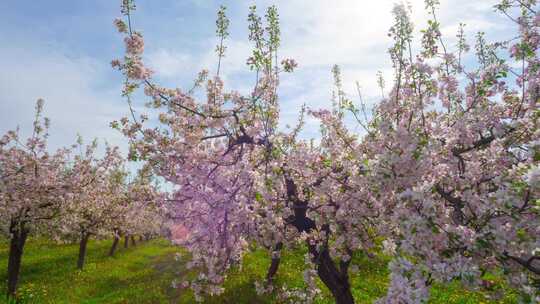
(49, 274)
(143, 274)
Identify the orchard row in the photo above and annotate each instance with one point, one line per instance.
(70, 195)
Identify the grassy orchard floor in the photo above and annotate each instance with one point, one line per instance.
(143, 274)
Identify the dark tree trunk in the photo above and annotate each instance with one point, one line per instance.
(141, 238)
(336, 280)
(82, 249)
(18, 239)
(126, 241)
(114, 245)
(274, 265)
(133, 243)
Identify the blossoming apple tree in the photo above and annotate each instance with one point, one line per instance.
(453, 152)
(447, 172)
(241, 180)
(33, 188)
(95, 190)
(146, 213)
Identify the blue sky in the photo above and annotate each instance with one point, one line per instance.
(60, 50)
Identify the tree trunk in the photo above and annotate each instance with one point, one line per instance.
(133, 241)
(18, 239)
(141, 238)
(126, 241)
(114, 245)
(337, 281)
(274, 265)
(82, 249)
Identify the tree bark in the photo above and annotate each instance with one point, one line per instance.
(274, 265)
(141, 238)
(133, 243)
(114, 245)
(18, 239)
(82, 249)
(337, 281)
(126, 241)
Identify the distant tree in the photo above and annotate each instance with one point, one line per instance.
(95, 189)
(140, 211)
(145, 215)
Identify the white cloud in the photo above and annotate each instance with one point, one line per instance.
(76, 98)
(170, 63)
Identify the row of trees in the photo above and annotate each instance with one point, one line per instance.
(447, 173)
(69, 195)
